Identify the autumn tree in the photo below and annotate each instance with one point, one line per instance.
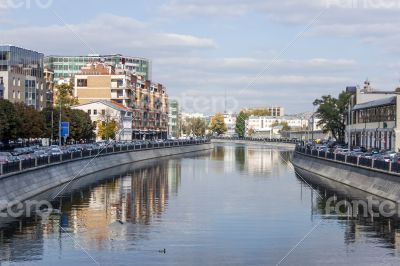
(65, 95)
(217, 124)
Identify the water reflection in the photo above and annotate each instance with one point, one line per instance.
(359, 225)
(251, 159)
(235, 205)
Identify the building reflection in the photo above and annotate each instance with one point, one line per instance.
(100, 212)
(359, 225)
(251, 160)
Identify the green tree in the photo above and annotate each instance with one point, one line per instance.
(241, 123)
(81, 126)
(65, 95)
(198, 127)
(332, 113)
(9, 122)
(31, 122)
(217, 124)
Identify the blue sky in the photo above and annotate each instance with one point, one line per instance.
(203, 49)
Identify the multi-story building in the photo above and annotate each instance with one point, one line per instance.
(230, 122)
(65, 67)
(151, 112)
(174, 119)
(105, 111)
(273, 110)
(21, 76)
(266, 124)
(100, 81)
(374, 120)
(49, 77)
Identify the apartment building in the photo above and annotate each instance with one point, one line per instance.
(174, 118)
(22, 76)
(151, 112)
(100, 81)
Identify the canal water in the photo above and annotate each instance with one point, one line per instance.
(234, 205)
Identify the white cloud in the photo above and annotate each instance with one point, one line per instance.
(104, 34)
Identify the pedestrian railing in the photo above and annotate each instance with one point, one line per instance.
(350, 159)
(278, 140)
(18, 166)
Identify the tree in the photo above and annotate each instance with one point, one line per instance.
(259, 112)
(332, 111)
(284, 124)
(31, 122)
(217, 124)
(241, 123)
(81, 126)
(9, 122)
(65, 95)
(198, 126)
(107, 130)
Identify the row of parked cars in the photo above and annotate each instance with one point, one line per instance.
(38, 151)
(382, 155)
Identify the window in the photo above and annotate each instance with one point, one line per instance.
(82, 82)
(103, 112)
(13, 94)
(1, 81)
(19, 95)
(89, 112)
(95, 112)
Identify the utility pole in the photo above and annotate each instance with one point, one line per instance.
(59, 125)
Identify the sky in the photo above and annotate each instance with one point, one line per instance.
(223, 55)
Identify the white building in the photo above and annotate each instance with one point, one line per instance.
(102, 110)
(230, 122)
(375, 119)
(263, 125)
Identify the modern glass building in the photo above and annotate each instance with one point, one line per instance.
(174, 117)
(65, 67)
(21, 75)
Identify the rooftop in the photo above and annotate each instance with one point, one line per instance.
(376, 103)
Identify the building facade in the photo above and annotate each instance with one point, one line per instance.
(22, 76)
(230, 122)
(373, 121)
(273, 110)
(102, 82)
(65, 67)
(265, 124)
(174, 119)
(151, 110)
(106, 111)
(49, 78)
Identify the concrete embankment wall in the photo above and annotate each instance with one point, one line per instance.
(376, 182)
(259, 143)
(25, 185)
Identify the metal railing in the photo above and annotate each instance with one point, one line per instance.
(392, 167)
(22, 165)
(277, 140)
